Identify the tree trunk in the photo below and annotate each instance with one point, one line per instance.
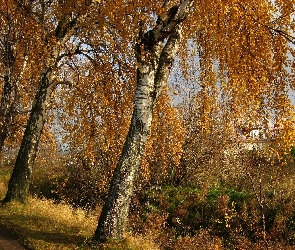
(18, 186)
(8, 111)
(2, 151)
(154, 61)
(10, 97)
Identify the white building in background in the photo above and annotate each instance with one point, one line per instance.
(256, 137)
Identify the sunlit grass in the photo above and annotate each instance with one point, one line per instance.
(44, 224)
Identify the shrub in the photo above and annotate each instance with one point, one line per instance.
(48, 174)
(227, 213)
(82, 186)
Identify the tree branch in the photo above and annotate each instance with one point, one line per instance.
(165, 27)
(166, 60)
(288, 37)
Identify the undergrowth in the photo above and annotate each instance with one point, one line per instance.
(253, 213)
(44, 224)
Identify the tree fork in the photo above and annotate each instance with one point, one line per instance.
(154, 62)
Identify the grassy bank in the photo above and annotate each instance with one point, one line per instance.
(43, 224)
(220, 215)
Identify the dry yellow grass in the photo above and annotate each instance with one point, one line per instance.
(44, 224)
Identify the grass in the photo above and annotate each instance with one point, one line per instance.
(224, 215)
(43, 224)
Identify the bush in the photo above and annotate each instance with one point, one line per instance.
(82, 186)
(228, 214)
(48, 174)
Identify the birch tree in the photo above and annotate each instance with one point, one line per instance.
(14, 61)
(53, 38)
(242, 50)
(154, 61)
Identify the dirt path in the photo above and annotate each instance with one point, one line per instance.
(9, 241)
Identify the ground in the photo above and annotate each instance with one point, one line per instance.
(8, 241)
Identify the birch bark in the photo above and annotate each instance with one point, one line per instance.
(18, 187)
(154, 62)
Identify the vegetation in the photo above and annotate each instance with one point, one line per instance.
(219, 214)
(44, 224)
(171, 121)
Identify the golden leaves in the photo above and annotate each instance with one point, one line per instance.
(241, 62)
(165, 143)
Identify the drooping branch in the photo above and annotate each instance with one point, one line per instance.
(272, 29)
(284, 34)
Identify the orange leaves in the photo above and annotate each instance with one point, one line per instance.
(101, 111)
(17, 74)
(250, 58)
(165, 144)
(237, 60)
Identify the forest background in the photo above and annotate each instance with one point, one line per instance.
(217, 168)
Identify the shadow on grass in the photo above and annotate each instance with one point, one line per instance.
(32, 227)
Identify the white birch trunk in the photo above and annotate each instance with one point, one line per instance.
(154, 66)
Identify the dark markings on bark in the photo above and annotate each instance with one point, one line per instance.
(18, 186)
(154, 65)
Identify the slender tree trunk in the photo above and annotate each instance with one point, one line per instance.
(2, 151)
(8, 111)
(154, 61)
(3, 136)
(9, 97)
(18, 186)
